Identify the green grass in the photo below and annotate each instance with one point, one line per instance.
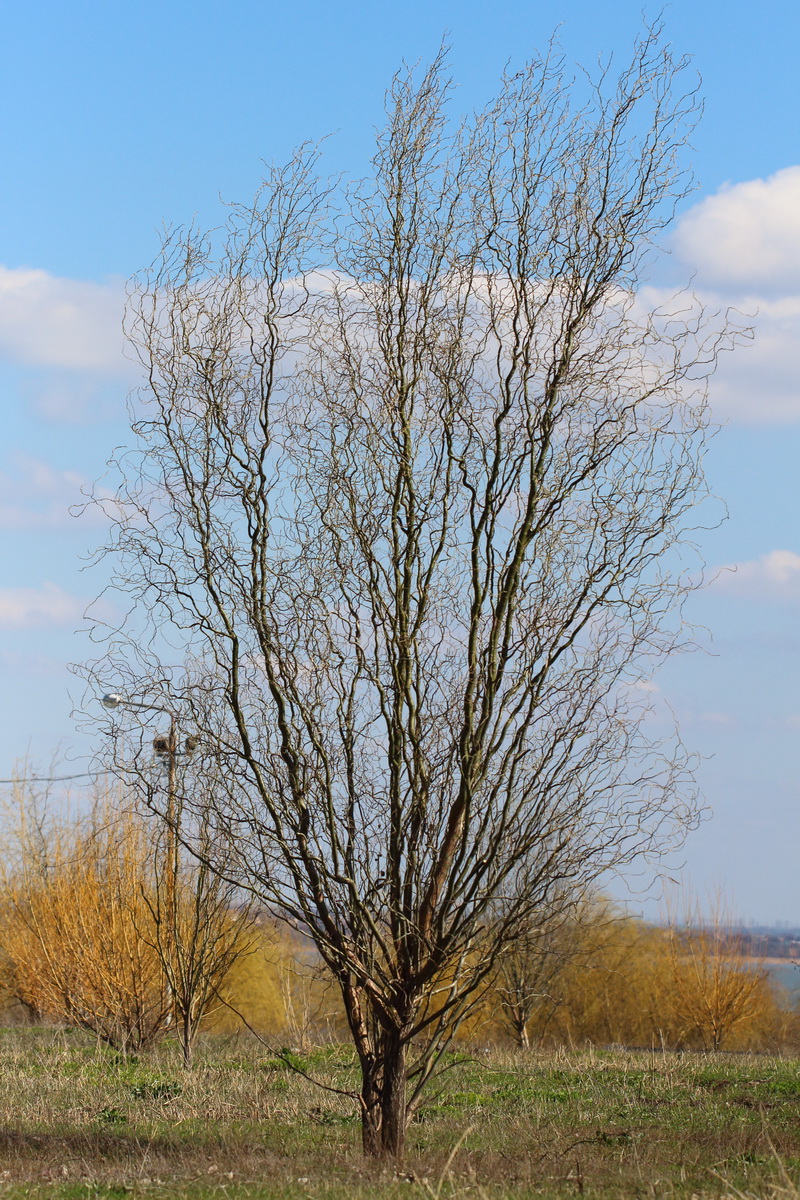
(77, 1121)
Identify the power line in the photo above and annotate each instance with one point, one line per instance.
(55, 778)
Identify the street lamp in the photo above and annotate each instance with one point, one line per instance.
(164, 748)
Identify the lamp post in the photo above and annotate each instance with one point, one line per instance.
(165, 748)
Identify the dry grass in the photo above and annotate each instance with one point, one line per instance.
(79, 1121)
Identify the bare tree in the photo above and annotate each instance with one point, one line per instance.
(402, 527)
(530, 971)
(198, 926)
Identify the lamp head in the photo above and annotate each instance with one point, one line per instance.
(111, 700)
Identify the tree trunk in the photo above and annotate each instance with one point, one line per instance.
(370, 1110)
(187, 1039)
(383, 1099)
(393, 1095)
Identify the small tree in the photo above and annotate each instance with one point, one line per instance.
(412, 468)
(715, 990)
(529, 982)
(199, 928)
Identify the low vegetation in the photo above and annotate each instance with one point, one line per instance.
(607, 1057)
(91, 937)
(607, 979)
(79, 1120)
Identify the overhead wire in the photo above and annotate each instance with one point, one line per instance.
(55, 778)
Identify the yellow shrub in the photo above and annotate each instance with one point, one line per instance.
(72, 934)
(625, 982)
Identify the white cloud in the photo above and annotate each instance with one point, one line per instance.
(64, 323)
(71, 330)
(35, 495)
(74, 397)
(744, 245)
(760, 383)
(17, 663)
(31, 608)
(774, 576)
(717, 719)
(747, 236)
(643, 685)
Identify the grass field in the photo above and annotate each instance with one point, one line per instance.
(79, 1121)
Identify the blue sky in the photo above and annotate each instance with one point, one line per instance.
(118, 118)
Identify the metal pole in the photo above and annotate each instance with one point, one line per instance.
(171, 880)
